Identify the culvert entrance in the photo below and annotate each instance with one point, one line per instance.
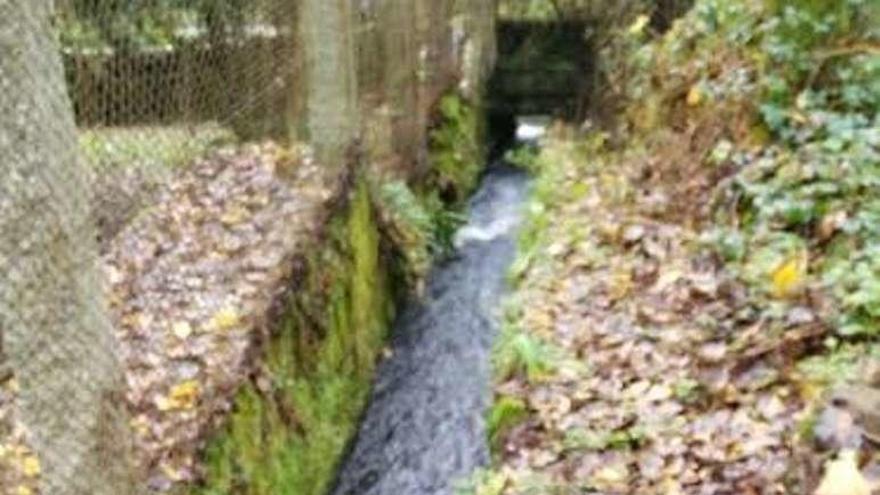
(542, 69)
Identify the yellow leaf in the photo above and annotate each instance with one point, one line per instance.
(799, 117)
(225, 319)
(30, 466)
(24, 490)
(234, 216)
(621, 283)
(182, 396)
(842, 477)
(639, 25)
(171, 472)
(182, 329)
(789, 277)
(695, 96)
(810, 391)
(611, 476)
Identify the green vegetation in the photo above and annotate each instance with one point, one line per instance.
(421, 220)
(145, 24)
(595, 10)
(290, 426)
(483, 482)
(546, 195)
(625, 439)
(506, 413)
(456, 152)
(421, 226)
(799, 86)
(808, 187)
(751, 129)
(520, 353)
(151, 147)
(524, 157)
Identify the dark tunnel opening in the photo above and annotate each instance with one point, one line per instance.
(543, 71)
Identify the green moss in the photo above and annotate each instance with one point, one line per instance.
(288, 439)
(456, 154)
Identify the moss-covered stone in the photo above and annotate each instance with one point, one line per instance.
(290, 425)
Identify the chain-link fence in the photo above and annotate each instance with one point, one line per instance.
(156, 83)
(103, 102)
(141, 204)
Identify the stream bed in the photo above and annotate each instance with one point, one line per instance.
(424, 429)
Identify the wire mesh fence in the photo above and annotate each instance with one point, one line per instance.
(102, 101)
(112, 115)
(156, 83)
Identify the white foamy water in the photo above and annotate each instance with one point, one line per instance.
(531, 128)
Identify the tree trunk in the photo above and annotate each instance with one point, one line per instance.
(53, 318)
(327, 41)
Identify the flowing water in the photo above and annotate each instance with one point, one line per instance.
(424, 428)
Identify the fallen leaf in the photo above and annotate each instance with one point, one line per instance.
(639, 25)
(789, 278)
(30, 466)
(621, 283)
(836, 428)
(695, 96)
(234, 216)
(225, 319)
(831, 224)
(171, 472)
(611, 477)
(182, 329)
(842, 477)
(182, 396)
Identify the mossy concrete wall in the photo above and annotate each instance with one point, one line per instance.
(291, 423)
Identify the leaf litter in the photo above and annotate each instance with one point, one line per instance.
(688, 383)
(193, 284)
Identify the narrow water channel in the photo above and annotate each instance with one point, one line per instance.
(424, 428)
